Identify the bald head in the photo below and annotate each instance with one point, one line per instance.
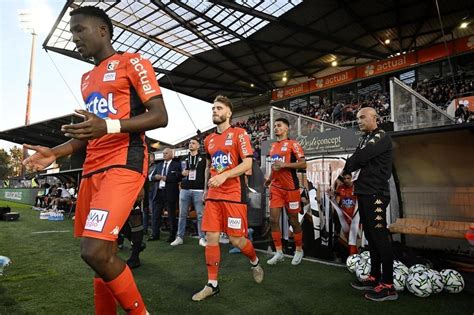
(167, 154)
(367, 119)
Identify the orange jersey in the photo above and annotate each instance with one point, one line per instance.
(226, 151)
(348, 199)
(117, 88)
(286, 151)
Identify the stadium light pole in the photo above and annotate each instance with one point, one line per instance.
(26, 23)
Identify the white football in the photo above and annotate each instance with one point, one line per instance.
(419, 284)
(352, 261)
(399, 279)
(453, 280)
(436, 279)
(417, 268)
(362, 269)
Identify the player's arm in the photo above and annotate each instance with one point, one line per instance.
(240, 169)
(44, 156)
(95, 127)
(207, 174)
(298, 165)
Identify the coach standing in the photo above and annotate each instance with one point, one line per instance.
(373, 160)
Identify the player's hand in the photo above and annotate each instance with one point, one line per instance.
(185, 173)
(42, 158)
(217, 180)
(278, 165)
(92, 128)
(268, 181)
(204, 196)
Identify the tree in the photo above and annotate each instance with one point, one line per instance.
(16, 157)
(5, 164)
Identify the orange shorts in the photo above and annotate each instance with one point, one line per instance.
(227, 217)
(105, 201)
(290, 199)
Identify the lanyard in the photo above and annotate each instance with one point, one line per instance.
(193, 160)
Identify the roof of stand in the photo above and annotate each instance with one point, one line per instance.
(244, 48)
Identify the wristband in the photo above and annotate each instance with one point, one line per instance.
(113, 125)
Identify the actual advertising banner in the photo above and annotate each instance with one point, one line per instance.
(388, 65)
(290, 91)
(332, 80)
(464, 44)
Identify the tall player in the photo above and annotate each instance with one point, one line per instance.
(123, 100)
(287, 156)
(229, 156)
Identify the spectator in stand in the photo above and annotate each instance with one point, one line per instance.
(462, 114)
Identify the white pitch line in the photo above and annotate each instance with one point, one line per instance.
(45, 232)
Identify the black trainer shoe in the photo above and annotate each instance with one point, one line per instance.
(365, 285)
(133, 263)
(383, 292)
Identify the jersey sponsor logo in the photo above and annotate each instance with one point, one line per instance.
(99, 105)
(112, 65)
(283, 149)
(96, 220)
(221, 161)
(228, 142)
(234, 223)
(110, 76)
(277, 157)
(243, 144)
(142, 75)
(347, 203)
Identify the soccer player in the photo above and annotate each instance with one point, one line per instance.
(287, 156)
(346, 199)
(123, 100)
(229, 156)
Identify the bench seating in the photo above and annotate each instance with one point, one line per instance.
(438, 228)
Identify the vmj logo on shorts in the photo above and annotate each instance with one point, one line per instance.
(96, 220)
(99, 105)
(221, 161)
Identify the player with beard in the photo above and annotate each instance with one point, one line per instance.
(229, 156)
(123, 100)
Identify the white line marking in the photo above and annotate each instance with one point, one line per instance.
(45, 232)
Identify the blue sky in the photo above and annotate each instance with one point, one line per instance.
(51, 96)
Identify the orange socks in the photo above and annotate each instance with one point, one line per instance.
(276, 236)
(213, 259)
(298, 237)
(249, 251)
(126, 292)
(104, 300)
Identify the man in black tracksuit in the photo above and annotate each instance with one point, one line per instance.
(373, 160)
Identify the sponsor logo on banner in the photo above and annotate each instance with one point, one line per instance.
(112, 65)
(234, 223)
(110, 76)
(99, 105)
(96, 220)
(294, 205)
(142, 75)
(332, 80)
(13, 195)
(290, 91)
(387, 65)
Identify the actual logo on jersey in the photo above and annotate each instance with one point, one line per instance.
(109, 76)
(99, 105)
(112, 65)
(96, 220)
(221, 161)
(243, 145)
(234, 223)
(277, 157)
(142, 75)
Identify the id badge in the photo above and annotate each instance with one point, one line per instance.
(192, 175)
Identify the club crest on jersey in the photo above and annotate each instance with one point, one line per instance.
(99, 105)
(112, 65)
(221, 161)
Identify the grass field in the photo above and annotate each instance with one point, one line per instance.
(48, 277)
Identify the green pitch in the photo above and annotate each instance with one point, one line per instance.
(48, 277)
